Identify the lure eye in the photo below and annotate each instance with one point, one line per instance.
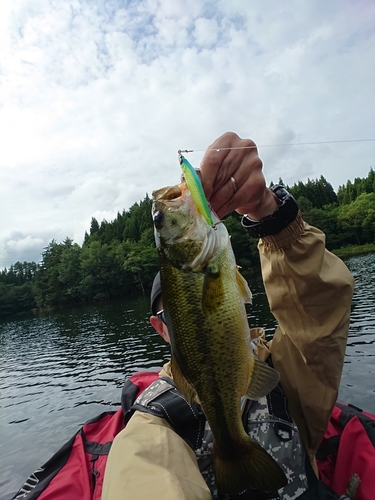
(158, 219)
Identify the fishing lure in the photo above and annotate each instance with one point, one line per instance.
(196, 189)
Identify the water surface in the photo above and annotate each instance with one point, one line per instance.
(61, 369)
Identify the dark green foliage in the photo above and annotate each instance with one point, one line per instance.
(350, 192)
(142, 262)
(15, 299)
(16, 291)
(94, 227)
(325, 219)
(116, 258)
(99, 272)
(245, 248)
(119, 257)
(48, 288)
(356, 221)
(19, 273)
(137, 220)
(347, 218)
(70, 272)
(318, 192)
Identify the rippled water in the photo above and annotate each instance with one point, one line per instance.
(61, 369)
(358, 378)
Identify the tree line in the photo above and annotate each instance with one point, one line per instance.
(119, 258)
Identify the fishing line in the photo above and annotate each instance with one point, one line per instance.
(276, 145)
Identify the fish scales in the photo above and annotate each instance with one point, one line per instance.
(209, 371)
(203, 298)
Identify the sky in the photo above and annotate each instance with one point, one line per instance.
(97, 96)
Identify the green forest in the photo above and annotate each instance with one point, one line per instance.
(119, 258)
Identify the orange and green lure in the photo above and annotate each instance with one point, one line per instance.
(195, 187)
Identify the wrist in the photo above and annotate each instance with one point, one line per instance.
(266, 206)
(286, 212)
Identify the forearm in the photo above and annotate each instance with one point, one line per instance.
(309, 291)
(149, 460)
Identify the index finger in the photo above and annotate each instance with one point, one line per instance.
(212, 160)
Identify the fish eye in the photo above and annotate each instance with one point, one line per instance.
(158, 218)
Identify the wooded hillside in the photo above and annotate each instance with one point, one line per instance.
(119, 258)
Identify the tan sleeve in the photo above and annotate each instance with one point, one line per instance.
(148, 460)
(309, 291)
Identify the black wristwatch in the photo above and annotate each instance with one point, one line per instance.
(285, 213)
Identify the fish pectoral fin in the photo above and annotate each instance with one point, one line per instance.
(212, 291)
(182, 384)
(263, 380)
(243, 287)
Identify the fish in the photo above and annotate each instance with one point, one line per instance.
(204, 297)
(195, 187)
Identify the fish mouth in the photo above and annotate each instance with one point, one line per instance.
(167, 196)
(168, 193)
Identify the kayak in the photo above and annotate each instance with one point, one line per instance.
(347, 451)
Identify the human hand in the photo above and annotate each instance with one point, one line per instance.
(249, 194)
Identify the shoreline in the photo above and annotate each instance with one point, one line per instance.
(342, 253)
(353, 250)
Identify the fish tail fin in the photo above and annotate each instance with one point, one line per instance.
(253, 468)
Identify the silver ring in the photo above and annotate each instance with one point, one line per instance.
(233, 181)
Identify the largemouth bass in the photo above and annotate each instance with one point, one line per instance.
(204, 299)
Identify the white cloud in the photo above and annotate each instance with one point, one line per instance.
(98, 96)
(206, 31)
(19, 244)
(23, 248)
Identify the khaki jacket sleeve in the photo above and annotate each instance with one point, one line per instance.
(309, 291)
(149, 460)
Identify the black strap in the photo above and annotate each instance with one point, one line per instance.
(97, 448)
(330, 447)
(187, 419)
(128, 395)
(349, 411)
(277, 401)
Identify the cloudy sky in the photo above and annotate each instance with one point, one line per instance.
(97, 96)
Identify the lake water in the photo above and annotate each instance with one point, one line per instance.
(61, 369)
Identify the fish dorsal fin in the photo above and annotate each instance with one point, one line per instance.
(182, 384)
(213, 290)
(263, 380)
(243, 287)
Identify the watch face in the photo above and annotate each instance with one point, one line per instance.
(280, 192)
